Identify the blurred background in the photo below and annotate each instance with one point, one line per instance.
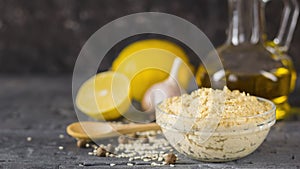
(45, 37)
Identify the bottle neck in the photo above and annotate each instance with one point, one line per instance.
(245, 22)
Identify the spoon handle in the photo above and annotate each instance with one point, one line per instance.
(131, 128)
(96, 130)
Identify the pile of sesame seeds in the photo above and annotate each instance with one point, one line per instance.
(146, 147)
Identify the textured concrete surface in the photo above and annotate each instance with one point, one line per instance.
(41, 108)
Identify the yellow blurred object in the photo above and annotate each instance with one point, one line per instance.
(105, 96)
(147, 62)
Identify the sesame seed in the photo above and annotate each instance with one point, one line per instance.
(146, 159)
(159, 159)
(60, 147)
(61, 136)
(172, 165)
(154, 164)
(112, 164)
(129, 164)
(94, 146)
(87, 145)
(28, 138)
(90, 153)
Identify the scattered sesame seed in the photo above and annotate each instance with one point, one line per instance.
(172, 165)
(28, 138)
(129, 164)
(155, 164)
(61, 136)
(137, 157)
(159, 159)
(146, 159)
(60, 147)
(94, 146)
(146, 148)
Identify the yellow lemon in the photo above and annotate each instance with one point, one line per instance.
(147, 62)
(105, 96)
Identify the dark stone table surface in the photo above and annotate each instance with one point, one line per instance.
(41, 108)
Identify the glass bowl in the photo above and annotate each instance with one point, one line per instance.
(216, 139)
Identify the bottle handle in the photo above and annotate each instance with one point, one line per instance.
(288, 23)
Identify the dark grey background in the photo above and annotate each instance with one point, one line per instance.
(45, 37)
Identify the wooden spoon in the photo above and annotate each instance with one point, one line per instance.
(98, 130)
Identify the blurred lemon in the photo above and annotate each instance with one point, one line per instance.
(147, 62)
(105, 96)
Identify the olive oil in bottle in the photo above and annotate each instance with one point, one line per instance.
(249, 63)
(274, 84)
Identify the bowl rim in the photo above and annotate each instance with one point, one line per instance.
(273, 109)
